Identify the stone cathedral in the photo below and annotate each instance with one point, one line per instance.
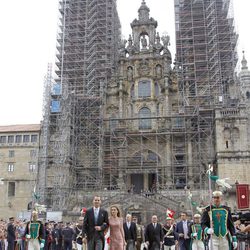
(155, 145)
(138, 105)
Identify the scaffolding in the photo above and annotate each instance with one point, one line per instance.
(206, 50)
(88, 148)
(89, 33)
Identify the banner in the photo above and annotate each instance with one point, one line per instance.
(242, 193)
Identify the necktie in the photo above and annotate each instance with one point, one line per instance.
(154, 225)
(96, 215)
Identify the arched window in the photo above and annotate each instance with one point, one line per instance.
(144, 89)
(143, 122)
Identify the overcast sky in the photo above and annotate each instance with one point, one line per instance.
(28, 38)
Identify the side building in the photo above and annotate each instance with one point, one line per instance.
(19, 147)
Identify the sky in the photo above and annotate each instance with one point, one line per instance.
(28, 43)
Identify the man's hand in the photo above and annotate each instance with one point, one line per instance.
(235, 244)
(28, 236)
(98, 228)
(181, 235)
(194, 234)
(84, 241)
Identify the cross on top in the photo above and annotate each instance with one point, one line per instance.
(218, 215)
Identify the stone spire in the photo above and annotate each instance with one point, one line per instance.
(244, 62)
(143, 12)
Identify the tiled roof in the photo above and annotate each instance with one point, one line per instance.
(20, 128)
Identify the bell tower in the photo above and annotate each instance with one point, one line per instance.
(144, 28)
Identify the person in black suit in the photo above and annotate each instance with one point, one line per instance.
(129, 228)
(68, 236)
(183, 230)
(94, 224)
(11, 236)
(154, 234)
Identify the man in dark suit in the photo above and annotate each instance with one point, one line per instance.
(154, 234)
(129, 228)
(183, 230)
(11, 236)
(94, 224)
(68, 236)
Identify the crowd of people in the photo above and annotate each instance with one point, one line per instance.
(97, 229)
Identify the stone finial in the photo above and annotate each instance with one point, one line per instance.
(143, 11)
(244, 62)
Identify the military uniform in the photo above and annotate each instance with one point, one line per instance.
(169, 237)
(34, 233)
(197, 237)
(139, 234)
(78, 237)
(223, 226)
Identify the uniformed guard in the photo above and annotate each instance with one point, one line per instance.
(34, 233)
(78, 235)
(218, 225)
(139, 233)
(170, 236)
(197, 234)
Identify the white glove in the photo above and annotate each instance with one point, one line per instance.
(210, 231)
(42, 245)
(194, 234)
(28, 236)
(235, 244)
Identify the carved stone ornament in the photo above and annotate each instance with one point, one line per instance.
(144, 68)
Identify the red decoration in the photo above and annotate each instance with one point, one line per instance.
(170, 213)
(242, 192)
(84, 209)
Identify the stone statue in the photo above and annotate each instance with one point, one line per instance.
(166, 41)
(130, 73)
(158, 71)
(158, 40)
(144, 42)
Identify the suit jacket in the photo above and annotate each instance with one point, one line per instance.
(131, 231)
(11, 236)
(89, 224)
(154, 234)
(179, 229)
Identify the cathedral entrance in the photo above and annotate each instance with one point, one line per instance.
(152, 182)
(143, 183)
(137, 183)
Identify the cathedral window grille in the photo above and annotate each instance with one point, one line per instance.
(144, 89)
(143, 122)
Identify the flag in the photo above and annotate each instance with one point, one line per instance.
(242, 193)
(170, 213)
